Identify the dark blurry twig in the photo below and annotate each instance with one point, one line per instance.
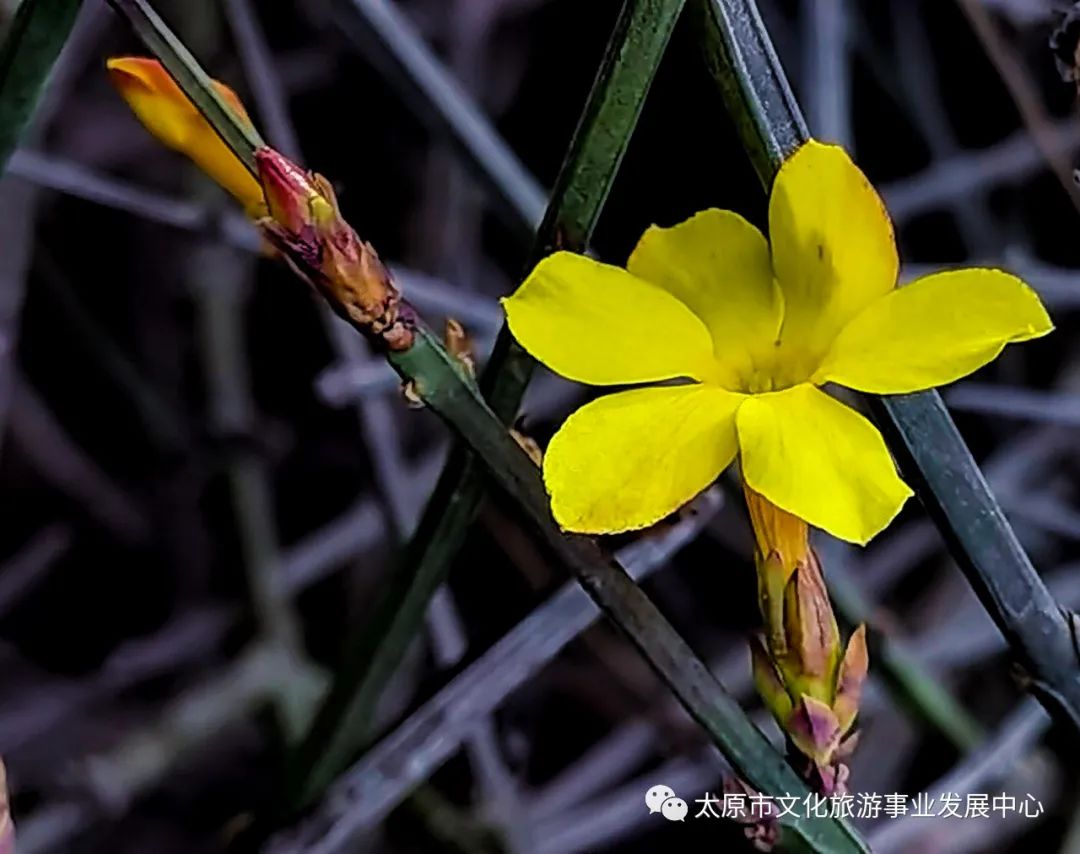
(109, 780)
(917, 79)
(255, 677)
(399, 761)
(1024, 93)
(64, 464)
(610, 760)
(355, 532)
(22, 571)
(1045, 407)
(261, 75)
(452, 830)
(885, 563)
(1009, 161)
(45, 710)
(991, 764)
(218, 280)
(827, 70)
(382, 31)
(971, 638)
(30, 54)
(617, 814)
(165, 429)
(1027, 12)
(1049, 513)
(18, 210)
(66, 176)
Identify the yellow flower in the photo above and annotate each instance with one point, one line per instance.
(169, 115)
(746, 332)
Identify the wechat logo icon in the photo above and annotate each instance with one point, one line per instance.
(662, 799)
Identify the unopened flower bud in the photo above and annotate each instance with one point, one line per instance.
(814, 729)
(813, 639)
(169, 115)
(306, 226)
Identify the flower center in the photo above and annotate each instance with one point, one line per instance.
(780, 368)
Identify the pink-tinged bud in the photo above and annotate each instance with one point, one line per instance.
(850, 679)
(306, 226)
(814, 730)
(831, 779)
(761, 822)
(293, 195)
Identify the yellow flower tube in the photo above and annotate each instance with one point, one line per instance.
(166, 112)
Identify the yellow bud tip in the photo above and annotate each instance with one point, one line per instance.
(135, 76)
(167, 113)
(131, 72)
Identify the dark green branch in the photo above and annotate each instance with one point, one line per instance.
(919, 429)
(33, 42)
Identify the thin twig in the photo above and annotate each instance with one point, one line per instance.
(373, 786)
(1024, 94)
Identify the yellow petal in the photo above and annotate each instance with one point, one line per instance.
(718, 264)
(597, 324)
(934, 331)
(816, 458)
(832, 245)
(627, 460)
(167, 113)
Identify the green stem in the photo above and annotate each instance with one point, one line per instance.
(33, 43)
(608, 120)
(918, 427)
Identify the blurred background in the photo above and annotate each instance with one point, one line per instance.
(197, 463)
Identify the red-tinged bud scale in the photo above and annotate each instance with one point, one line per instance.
(306, 226)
